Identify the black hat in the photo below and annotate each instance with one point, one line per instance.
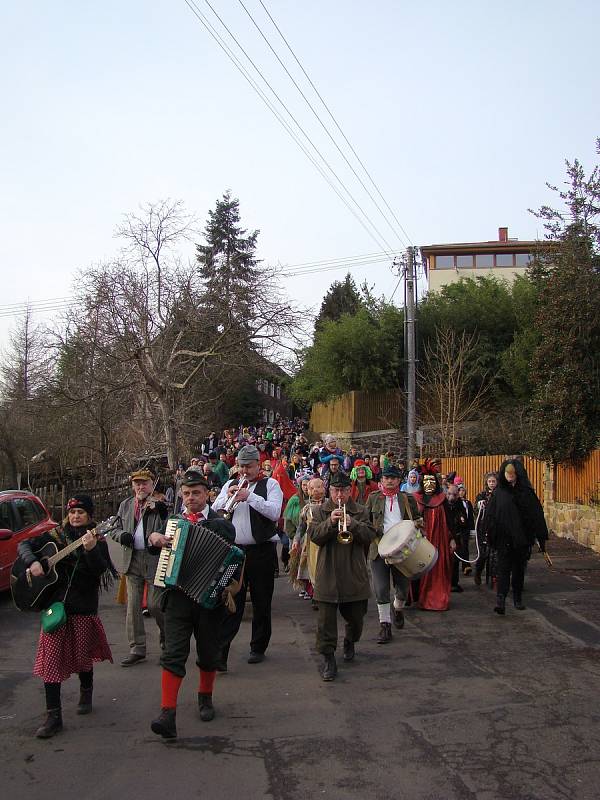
(194, 477)
(340, 480)
(391, 472)
(83, 501)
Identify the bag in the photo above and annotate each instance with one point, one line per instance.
(54, 617)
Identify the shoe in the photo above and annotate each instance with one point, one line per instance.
(286, 569)
(52, 725)
(458, 589)
(398, 617)
(468, 570)
(145, 612)
(85, 701)
(207, 710)
(131, 659)
(164, 725)
(348, 650)
(329, 668)
(276, 573)
(500, 607)
(477, 578)
(221, 666)
(385, 633)
(255, 658)
(518, 603)
(315, 605)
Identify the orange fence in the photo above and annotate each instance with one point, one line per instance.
(578, 484)
(472, 469)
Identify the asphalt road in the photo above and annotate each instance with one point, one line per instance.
(462, 704)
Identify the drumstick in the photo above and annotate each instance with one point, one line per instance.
(547, 559)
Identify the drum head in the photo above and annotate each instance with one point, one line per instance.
(397, 538)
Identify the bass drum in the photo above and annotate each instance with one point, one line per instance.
(405, 548)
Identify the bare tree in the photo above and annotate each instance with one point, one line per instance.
(452, 387)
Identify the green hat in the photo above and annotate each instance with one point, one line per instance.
(340, 480)
(194, 477)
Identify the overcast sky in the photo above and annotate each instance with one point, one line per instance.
(460, 111)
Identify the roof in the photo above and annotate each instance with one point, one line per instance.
(512, 245)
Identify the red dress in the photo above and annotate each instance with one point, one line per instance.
(434, 587)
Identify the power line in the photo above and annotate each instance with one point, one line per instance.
(318, 118)
(204, 21)
(335, 122)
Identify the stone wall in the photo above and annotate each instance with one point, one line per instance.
(574, 521)
(372, 442)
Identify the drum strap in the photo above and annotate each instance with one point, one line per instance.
(407, 508)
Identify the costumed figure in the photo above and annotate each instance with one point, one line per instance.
(184, 617)
(302, 545)
(413, 482)
(81, 640)
(331, 464)
(487, 556)
(362, 482)
(434, 587)
(514, 519)
(291, 516)
(342, 530)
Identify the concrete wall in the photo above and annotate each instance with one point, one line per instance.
(574, 521)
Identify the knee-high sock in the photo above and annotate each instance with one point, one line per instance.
(207, 681)
(170, 689)
(384, 612)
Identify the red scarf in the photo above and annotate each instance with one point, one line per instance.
(391, 493)
(194, 518)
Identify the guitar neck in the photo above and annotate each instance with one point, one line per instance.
(66, 551)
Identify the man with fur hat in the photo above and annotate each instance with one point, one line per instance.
(184, 617)
(341, 575)
(387, 507)
(255, 516)
(140, 516)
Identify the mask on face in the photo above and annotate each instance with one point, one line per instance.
(429, 484)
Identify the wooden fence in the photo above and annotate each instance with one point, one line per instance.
(578, 484)
(472, 469)
(358, 412)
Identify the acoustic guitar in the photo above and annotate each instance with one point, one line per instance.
(30, 592)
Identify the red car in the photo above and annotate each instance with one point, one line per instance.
(22, 516)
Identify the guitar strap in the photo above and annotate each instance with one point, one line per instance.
(71, 578)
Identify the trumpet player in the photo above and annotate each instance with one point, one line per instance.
(253, 504)
(343, 532)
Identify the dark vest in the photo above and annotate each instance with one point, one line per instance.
(262, 528)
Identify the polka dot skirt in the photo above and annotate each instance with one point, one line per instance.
(72, 648)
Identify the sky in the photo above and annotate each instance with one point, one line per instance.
(460, 112)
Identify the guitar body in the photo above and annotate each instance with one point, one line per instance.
(30, 593)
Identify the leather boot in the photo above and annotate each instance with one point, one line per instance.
(52, 725)
(398, 617)
(164, 724)
(85, 701)
(207, 711)
(348, 650)
(329, 670)
(500, 604)
(518, 602)
(385, 633)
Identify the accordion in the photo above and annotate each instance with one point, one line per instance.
(198, 561)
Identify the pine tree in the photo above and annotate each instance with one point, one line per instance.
(341, 298)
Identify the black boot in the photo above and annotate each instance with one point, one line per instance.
(85, 701)
(207, 711)
(348, 650)
(329, 669)
(500, 604)
(52, 725)
(518, 602)
(164, 725)
(385, 633)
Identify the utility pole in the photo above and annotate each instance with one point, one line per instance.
(411, 356)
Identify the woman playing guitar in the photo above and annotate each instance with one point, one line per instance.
(82, 640)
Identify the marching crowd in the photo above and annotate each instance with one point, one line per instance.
(348, 525)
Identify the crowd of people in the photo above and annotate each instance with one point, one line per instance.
(265, 489)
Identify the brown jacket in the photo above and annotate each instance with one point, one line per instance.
(341, 574)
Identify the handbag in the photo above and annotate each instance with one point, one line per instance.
(55, 616)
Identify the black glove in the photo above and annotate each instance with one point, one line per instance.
(126, 539)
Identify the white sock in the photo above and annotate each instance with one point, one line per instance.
(399, 603)
(384, 612)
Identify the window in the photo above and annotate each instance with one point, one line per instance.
(444, 262)
(464, 261)
(504, 259)
(265, 414)
(266, 387)
(278, 390)
(272, 390)
(484, 260)
(259, 385)
(27, 513)
(271, 416)
(6, 518)
(523, 259)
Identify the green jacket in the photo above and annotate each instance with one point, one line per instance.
(376, 509)
(341, 574)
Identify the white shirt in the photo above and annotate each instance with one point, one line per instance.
(203, 513)
(139, 542)
(270, 508)
(391, 517)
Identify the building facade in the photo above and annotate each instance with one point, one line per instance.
(504, 258)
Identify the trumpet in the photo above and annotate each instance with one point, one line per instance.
(344, 535)
(233, 502)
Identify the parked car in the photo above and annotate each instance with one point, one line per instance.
(22, 516)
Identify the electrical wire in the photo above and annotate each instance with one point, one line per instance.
(367, 173)
(377, 237)
(320, 121)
